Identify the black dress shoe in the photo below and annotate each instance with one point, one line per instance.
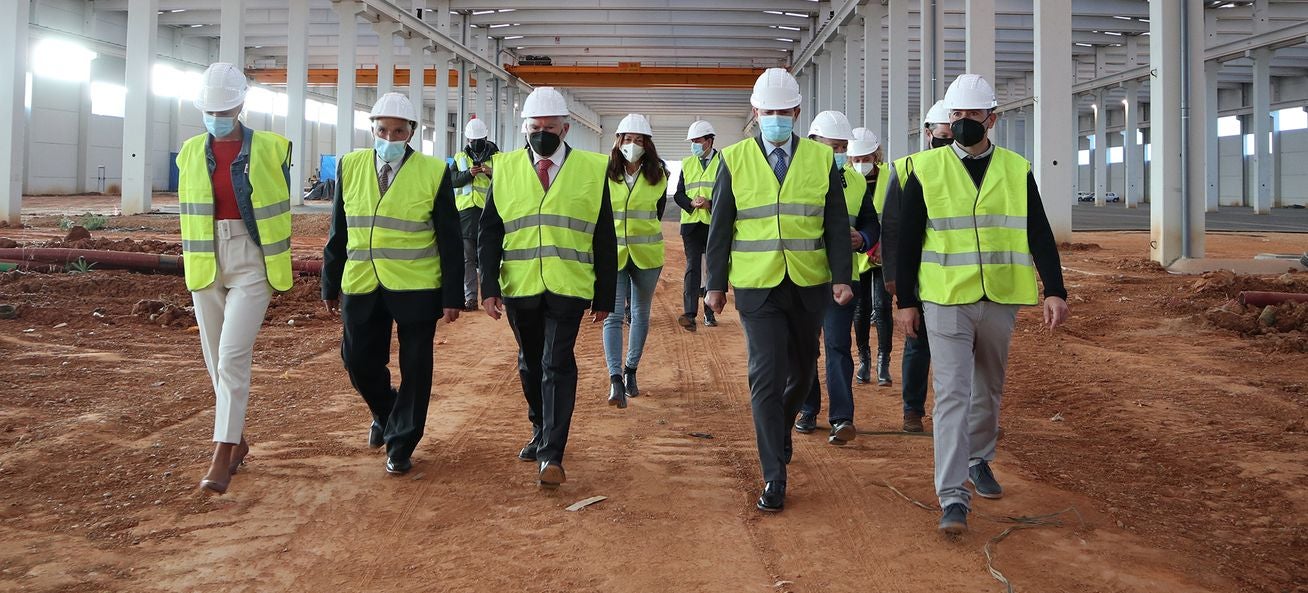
(842, 432)
(629, 378)
(864, 372)
(398, 467)
(806, 423)
(709, 319)
(551, 474)
(617, 392)
(773, 498)
(528, 453)
(375, 432)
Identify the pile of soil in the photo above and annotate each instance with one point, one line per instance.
(128, 244)
(164, 313)
(310, 225)
(1065, 246)
(1138, 263)
(1228, 284)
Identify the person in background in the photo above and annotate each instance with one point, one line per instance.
(471, 179)
(695, 197)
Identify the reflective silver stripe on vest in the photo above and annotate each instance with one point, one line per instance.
(698, 184)
(990, 258)
(765, 245)
(480, 189)
(547, 251)
(532, 220)
(640, 239)
(391, 253)
(277, 248)
(386, 222)
(195, 209)
(636, 215)
(768, 210)
(853, 220)
(195, 246)
(272, 210)
(958, 223)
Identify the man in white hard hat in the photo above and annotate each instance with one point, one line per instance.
(832, 129)
(548, 251)
(234, 196)
(471, 178)
(973, 235)
(396, 261)
(779, 233)
(916, 366)
(695, 197)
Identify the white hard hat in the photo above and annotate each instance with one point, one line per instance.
(393, 105)
(970, 91)
(545, 101)
(938, 114)
(700, 129)
(863, 142)
(832, 125)
(222, 87)
(635, 123)
(524, 126)
(475, 129)
(775, 89)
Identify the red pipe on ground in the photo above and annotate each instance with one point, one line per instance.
(1262, 299)
(127, 260)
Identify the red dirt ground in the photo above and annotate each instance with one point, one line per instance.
(1182, 445)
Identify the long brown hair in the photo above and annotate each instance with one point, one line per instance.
(651, 166)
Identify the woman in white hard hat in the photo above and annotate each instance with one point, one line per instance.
(393, 263)
(695, 197)
(471, 178)
(234, 196)
(638, 188)
(832, 129)
(873, 304)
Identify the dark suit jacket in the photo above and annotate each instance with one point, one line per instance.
(406, 306)
(604, 245)
(835, 235)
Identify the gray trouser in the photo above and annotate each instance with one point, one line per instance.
(969, 349)
(469, 220)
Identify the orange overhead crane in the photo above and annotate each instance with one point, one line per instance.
(624, 75)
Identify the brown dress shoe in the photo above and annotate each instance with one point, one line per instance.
(913, 422)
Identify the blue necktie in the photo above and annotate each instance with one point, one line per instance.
(779, 165)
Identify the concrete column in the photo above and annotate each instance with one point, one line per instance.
(926, 61)
(347, 45)
(897, 86)
(1100, 154)
(1167, 204)
(14, 18)
(1193, 148)
(873, 112)
(138, 122)
(385, 56)
(980, 38)
(1261, 160)
(231, 31)
(1055, 153)
(441, 109)
(1028, 133)
(297, 79)
(1132, 151)
(507, 125)
(417, 78)
(854, 73)
(822, 77)
(1212, 151)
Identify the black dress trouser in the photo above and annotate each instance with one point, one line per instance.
(546, 329)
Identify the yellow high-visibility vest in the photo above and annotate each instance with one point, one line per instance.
(269, 196)
(779, 226)
(855, 188)
(549, 236)
(699, 182)
(472, 195)
(391, 238)
(636, 221)
(976, 239)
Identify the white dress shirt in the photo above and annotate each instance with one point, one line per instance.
(556, 159)
(395, 167)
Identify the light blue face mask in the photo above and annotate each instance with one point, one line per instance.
(388, 151)
(697, 150)
(219, 127)
(841, 159)
(776, 128)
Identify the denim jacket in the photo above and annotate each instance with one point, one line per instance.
(241, 179)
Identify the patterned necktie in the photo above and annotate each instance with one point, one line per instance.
(543, 172)
(779, 165)
(384, 178)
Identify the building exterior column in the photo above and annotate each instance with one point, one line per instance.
(138, 119)
(14, 17)
(417, 79)
(980, 38)
(873, 74)
(1261, 160)
(297, 80)
(1132, 151)
(1054, 152)
(385, 55)
(231, 33)
(347, 46)
(1212, 149)
(854, 73)
(897, 84)
(1100, 153)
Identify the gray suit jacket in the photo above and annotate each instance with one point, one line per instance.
(835, 235)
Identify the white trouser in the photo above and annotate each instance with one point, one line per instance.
(230, 313)
(969, 353)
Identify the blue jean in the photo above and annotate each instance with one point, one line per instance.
(840, 365)
(638, 286)
(917, 363)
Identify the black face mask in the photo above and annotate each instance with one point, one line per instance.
(939, 142)
(544, 143)
(478, 146)
(968, 132)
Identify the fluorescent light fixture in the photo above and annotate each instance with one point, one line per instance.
(512, 37)
(481, 12)
(786, 40)
(1114, 33)
(1122, 18)
(1084, 44)
(785, 28)
(500, 25)
(507, 9)
(796, 14)
(776, 12)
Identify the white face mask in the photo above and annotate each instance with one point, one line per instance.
(864, 168)
(632, 152)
